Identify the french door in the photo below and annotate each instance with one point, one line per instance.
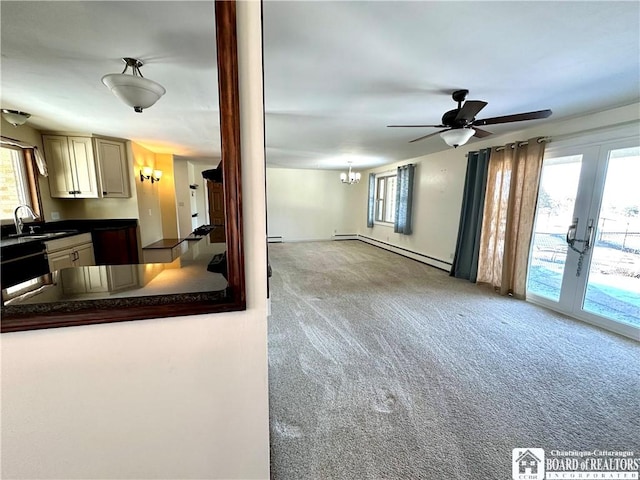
(585, 251)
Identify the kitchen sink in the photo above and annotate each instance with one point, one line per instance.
(40, 235)
(32, 237)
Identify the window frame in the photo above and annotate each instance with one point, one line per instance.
(30, 173)
(383, 178)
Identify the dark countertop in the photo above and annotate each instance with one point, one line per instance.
(192, 278)
(81, 225)
(165, 243)
(16, 242)
(13, 247)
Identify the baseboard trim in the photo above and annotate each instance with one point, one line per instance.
(405, 252)
(275, 240)
(345, 236)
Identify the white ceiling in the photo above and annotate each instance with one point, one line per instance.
(336, 73)
(54, 55)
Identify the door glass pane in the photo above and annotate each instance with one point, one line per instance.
(554, 212)
(613, 287)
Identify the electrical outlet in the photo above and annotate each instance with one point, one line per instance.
(150, 213)
(55, 215)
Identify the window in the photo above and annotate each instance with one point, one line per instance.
(386, 199)
(17, 182)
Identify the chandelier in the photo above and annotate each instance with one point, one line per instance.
(350, 177)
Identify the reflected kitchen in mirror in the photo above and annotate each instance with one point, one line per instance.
(125, 213)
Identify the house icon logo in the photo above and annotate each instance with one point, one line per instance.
(527, 463)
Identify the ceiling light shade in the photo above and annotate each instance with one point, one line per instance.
(15, 117)
(134, 90)
(457, 136)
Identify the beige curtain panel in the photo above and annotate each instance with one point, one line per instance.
(509, 212)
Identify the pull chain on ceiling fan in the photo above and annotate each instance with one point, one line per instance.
(460, 124)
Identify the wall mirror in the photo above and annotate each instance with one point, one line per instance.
(228, 295)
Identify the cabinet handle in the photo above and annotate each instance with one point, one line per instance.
(71, 192)
(105, 193)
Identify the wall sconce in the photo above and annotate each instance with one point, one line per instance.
(150, 174)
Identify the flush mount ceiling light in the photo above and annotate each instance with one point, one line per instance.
(351, 177)
(457, 136)
(134, 90)
(15, 117)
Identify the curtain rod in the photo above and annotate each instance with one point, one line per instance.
(513, 145)
(526, 142)
(576, 134)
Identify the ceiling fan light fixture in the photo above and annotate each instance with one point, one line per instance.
(134, 90)
(15, 117)
(457, 136)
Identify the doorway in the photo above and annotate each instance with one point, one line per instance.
(585, 249)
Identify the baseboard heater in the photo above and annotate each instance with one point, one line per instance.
(405, 252)
(345, 236)
(274, 240)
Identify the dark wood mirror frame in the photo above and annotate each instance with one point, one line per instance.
(138, 308)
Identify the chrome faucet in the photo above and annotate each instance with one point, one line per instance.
(18, 221)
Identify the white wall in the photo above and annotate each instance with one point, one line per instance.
(148, 196)
(440, 179)
(183, 196)
(201, 200)
(311, 204)
(162, 398)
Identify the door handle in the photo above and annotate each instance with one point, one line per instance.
(590, 231)
(571, 232)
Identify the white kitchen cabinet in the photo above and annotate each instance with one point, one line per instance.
(73, 251)
(72, 166)
(113, 166)
(60, 260)
(100, 279)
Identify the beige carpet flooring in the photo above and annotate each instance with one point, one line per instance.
(381, 367)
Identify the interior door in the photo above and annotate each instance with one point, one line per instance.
(216, 211)
(585, 250)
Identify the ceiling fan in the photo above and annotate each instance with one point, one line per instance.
(460, 123)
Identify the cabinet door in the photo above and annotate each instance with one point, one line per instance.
(122, 277)
(84, 280)
(95, 279)
(81, 152)
(113, 164)
(56, 151)
(117, 246)
(60, 260)
(84, 255)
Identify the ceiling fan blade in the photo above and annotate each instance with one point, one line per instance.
(421, 126)
(481, 133)
(518, 117)
(430, 135)
(470, 109)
